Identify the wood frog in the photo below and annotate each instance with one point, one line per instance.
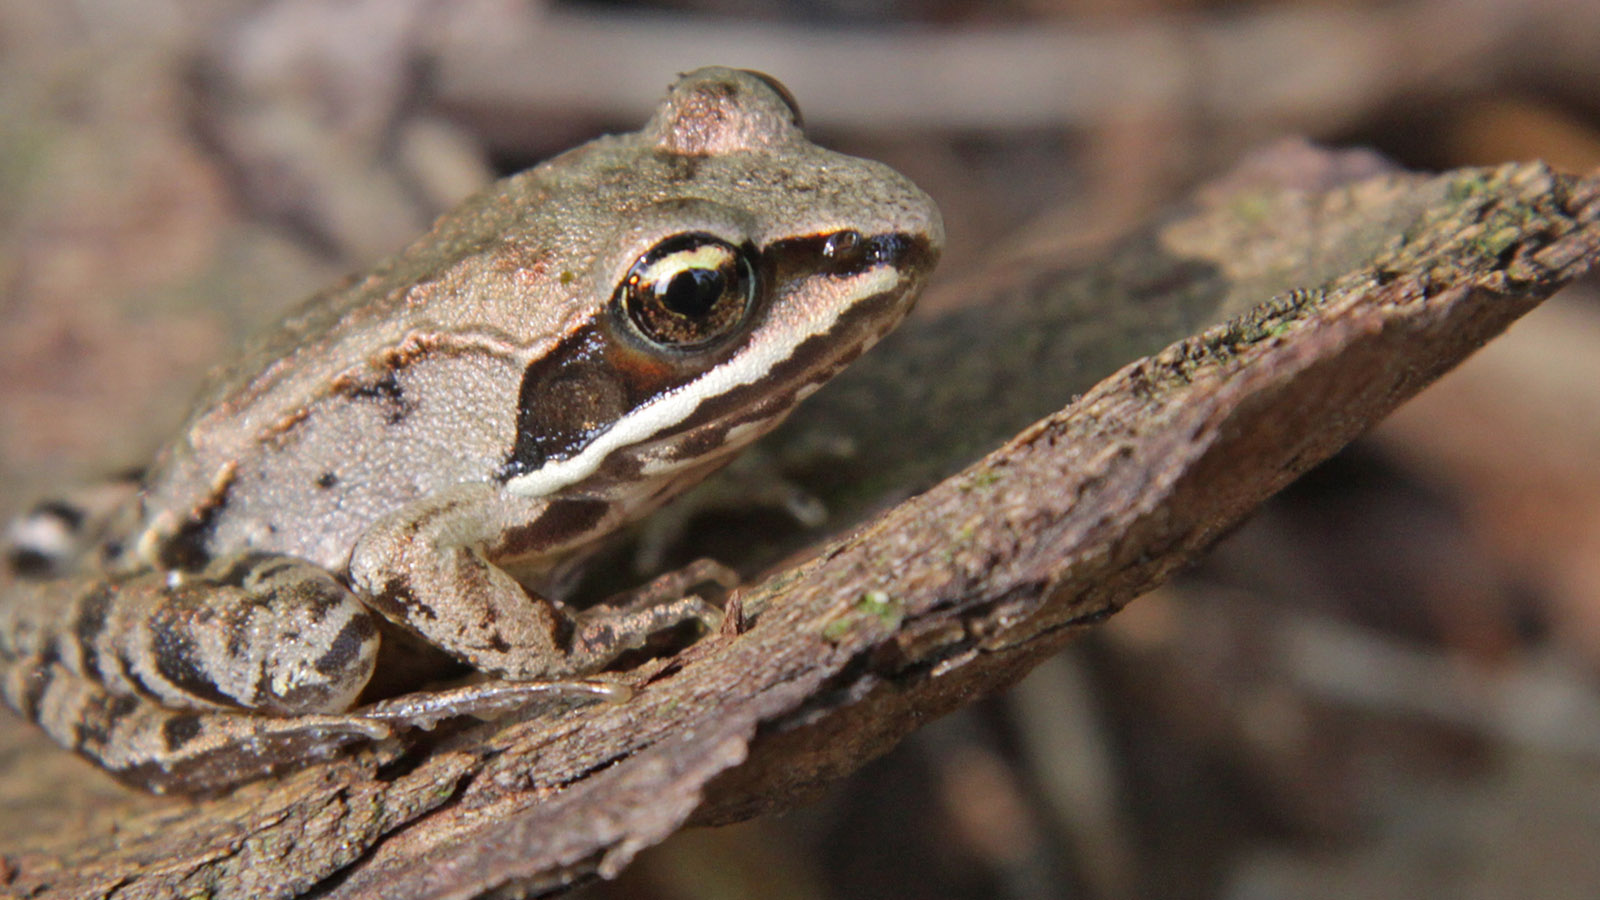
(401, 467)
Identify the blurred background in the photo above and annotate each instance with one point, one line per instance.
(1384, 685)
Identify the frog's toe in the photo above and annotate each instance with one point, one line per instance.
(493, 700)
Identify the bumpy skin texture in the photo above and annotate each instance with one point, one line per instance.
(420, 447)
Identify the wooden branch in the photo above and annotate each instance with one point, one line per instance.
(1339, 290)
(1311, 68)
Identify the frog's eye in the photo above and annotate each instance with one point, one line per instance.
(689, 290)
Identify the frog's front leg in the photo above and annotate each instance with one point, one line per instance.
(428, 567)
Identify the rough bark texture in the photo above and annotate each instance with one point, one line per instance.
(1337, 291)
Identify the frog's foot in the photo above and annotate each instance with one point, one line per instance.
(756, 480)
(421, 569)
(491, 700)
(604, 632)
(700, 574)
(161, 749)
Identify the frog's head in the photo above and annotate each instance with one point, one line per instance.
(746, 267)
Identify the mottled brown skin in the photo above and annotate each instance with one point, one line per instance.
(421, 446)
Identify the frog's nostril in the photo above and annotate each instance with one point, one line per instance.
(850, 253)
(842, 245)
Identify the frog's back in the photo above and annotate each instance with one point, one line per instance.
(371, 394)
(409, 381)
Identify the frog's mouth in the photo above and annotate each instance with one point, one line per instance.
(826, 308)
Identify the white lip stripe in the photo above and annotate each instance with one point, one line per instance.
(776, 343)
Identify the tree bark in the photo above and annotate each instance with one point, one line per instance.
(1236, 342)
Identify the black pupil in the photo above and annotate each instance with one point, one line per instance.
(693, 292)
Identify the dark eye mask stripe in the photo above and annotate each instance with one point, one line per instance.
(849, 330)
(573, 400)
(856, 329)
(584, 386)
